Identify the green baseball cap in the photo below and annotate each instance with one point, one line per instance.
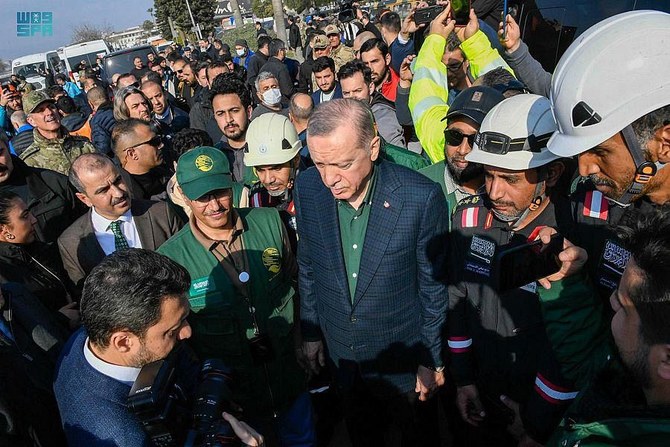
(33, 99)
(203, 170)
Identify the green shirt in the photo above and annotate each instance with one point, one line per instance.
(353, 224)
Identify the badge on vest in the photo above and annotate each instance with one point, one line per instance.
(612, 264)
(199, 288)
(470, 217)
(272, 260)
(596, 205)
(480, 255)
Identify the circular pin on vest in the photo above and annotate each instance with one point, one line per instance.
(243, 277)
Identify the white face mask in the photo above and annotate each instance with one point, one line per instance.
(272, 97)
(240, 52)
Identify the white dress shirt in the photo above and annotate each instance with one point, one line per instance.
(105, 236)
(123, 374)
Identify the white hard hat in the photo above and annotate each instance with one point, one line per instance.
(613, 74)
(271, 140)
(514, 134)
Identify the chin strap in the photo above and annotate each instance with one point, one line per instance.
(644, 170)
(538, 198)
(286, 194)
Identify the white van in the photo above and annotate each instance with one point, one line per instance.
(72, 55)
(34, 67)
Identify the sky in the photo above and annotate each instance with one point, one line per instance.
(118, 14)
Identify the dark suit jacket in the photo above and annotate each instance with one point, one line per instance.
(399, 309)
(156, 222)
(316, 96)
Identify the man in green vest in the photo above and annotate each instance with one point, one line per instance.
(242, 296)
(459, 178)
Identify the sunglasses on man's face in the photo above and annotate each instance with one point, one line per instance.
(156, 141)
(454, 137)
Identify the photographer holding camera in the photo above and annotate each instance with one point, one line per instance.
(133, 311)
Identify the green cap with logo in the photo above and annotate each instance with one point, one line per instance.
(203, 170)
(33, 99)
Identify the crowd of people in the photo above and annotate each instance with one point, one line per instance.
(331, 226)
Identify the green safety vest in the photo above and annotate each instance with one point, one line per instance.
(220, 318)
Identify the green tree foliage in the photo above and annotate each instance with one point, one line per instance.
(203, 13)
(262, 8)
(148, 25)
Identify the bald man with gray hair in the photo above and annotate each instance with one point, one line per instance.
(114, 221)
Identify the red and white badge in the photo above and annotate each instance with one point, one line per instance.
(469, 218)
(596, 205)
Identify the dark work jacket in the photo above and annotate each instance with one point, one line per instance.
(28, 412)
(305, 76)
(39, 269)
(254, 66)
(280, 70)
(50, 198)
(294, 37)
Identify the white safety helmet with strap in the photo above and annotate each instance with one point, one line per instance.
(514, 136)
(611, 75)
(271, 140)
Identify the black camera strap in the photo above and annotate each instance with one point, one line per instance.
(238, 275)
(240, 278)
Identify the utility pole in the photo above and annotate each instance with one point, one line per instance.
(196, 29)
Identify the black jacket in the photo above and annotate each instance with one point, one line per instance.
(254, 67)
(39, 269)
(280, 70)
(305, 76)
(50, 198)
(294, 37)
(202, 117)
(28, 412)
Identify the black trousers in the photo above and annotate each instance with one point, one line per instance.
(388, 420)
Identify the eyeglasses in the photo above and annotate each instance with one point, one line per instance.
(156, 141)
(500, 144)
(454, 137)
(455, 66)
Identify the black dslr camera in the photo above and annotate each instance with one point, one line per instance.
(160, 405)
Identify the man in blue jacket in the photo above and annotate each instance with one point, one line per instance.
(102, 121)
(367, 282)
(133, 311)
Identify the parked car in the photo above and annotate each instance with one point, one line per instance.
(122, 61)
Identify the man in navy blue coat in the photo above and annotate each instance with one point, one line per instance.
(368, 286)
(133, 311)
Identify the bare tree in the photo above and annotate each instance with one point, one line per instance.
(87, 31)
(4, 66)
